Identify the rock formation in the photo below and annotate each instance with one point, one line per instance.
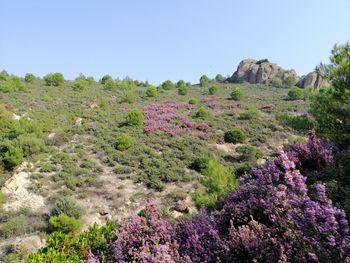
(313, 79)
(261, 71)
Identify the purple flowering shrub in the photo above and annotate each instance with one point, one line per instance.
(166, 117)
(271, 217)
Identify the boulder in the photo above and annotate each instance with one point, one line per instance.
(313, 79)
(262, 71)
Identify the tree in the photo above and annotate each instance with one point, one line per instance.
(29, 78)
(182, 87)
(168, 85)
(151, 92)
(105, 78)
(204, 81)
(331, 106)
(54, 79)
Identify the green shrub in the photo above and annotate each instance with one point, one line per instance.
(296, 93)
(236, 94)
(200, 164)
(80, 84)
(247, 153)
(277, 83)
(193, 101)
(123, 142)
(202, 113)
(31, 144)
(218, 181)
(134, 118)
(182, 87)
(151, 92)
(168, 85)
(235, 135)
(289, 82)
(67, 206)
(14, 226)
(4, 75)
(13, 157)
(29, 78)
(11, 84)
(2, 198)
(106, 78)
(299, 123)
(54, 79)
(204, 81)
(109, 84)
(213, 90)
(249, 114)
(65, 224)
(128, 96)
(220, 78)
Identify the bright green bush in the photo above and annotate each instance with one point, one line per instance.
(67, 206)
(168, 85)
(218, 181)
(193, 101)
(299, 123)
(134, 118)
(123, 142)
(296, 93)
(29, 78)
(213, 90)
(236, 94)
(54, 79)
(235, 135)
(80, 84)
(128, 96)
(249, 114)
(289, 82)
(200, 164)
(202, 113)
(109, 84)
(151, 92)
(3, 75)
(277, 83)
(11, 84)
(65, 224)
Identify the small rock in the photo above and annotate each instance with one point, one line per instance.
(78, 121)
(181, 206)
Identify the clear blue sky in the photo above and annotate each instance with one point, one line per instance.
(163, 39)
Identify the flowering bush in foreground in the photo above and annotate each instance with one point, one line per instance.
(165, 117)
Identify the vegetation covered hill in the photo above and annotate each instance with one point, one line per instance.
(73, 153)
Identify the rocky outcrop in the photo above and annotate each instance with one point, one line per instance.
(261, 71)
(313, 80)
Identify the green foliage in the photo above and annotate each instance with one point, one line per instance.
(218, 181)
(13, 157)
(299, 123)
(200, 164)
(123, 142)
(80, 84)
(220, 78)
(67, 206)
(247, 153)
(193, 101)
(14, 226)
(2, 198)
(235, 135)
(277, 83)
(168, 85)
(204, 81)
(4, 75)
(61, 247)
(29, 78)
(12, 83)
(54, 79)
(249, 114)
(213, 90)
(296, 93)
(236, 94)
(106, 78)
(202, 113)
(182, 87)
(151, 92)
(109, 84)
(65, 224)
(289, 82)
(331, 107)
(134, 118)
(128, 96)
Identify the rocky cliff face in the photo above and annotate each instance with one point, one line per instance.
(261, 71)
(313, 79)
